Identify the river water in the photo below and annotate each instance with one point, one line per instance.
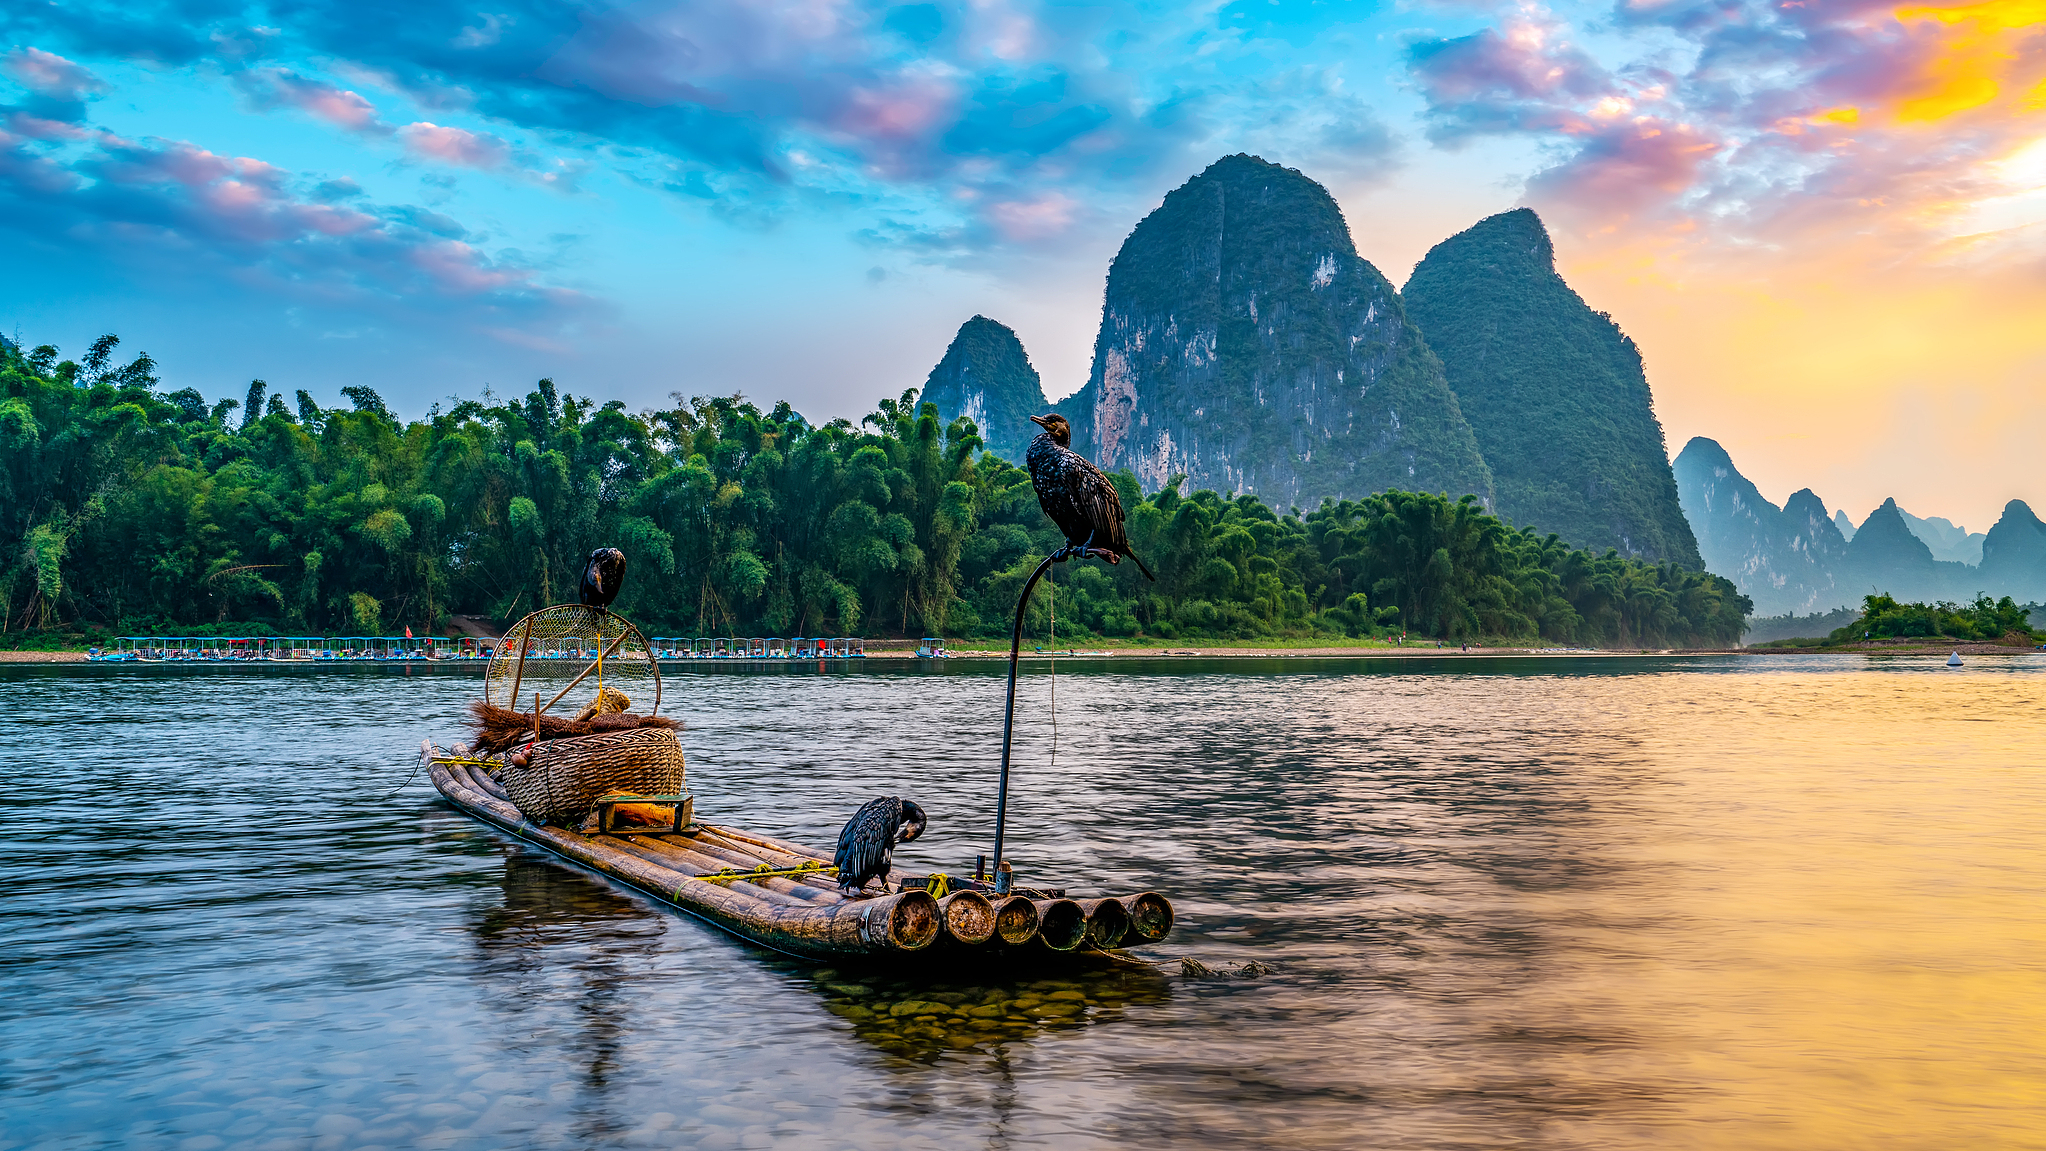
(1742, 903)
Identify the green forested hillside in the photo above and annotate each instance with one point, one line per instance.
(986, 376)
(128, 509)
(1245, 343)
(1554, 391)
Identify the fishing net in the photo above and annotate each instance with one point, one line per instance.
(568, 654)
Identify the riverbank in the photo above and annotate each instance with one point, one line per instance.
(42, 657)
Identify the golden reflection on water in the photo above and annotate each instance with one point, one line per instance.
(1756, 903)
(1834, 938)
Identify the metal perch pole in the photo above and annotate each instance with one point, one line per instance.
(1009, 718)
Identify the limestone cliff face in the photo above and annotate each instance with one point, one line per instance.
(1245, 343)
(1554, 391)
(986, 377)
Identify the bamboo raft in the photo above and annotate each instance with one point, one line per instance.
(702, 871)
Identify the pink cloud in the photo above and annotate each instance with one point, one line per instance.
(174, 200)
(39, 128)
(1627, 168)
(47, 74)
(1040, 218)
(280, 87)
(456, 146)
(458, 268)
(898, 112)
(1791, 122)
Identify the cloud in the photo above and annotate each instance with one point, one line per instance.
(456, 146)
(170, 207)
(51, 76)
(1522, 77)
(762, 106)
(281, 87)
(1789, 122)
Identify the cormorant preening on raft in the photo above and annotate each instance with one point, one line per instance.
(602, 577)
(1074, 493)
(870, 837)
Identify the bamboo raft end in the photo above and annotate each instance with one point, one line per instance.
(771, 892)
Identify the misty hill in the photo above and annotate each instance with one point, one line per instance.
(1796, 559)
(1885, 555)
(2014, 553)
(1947, 540)
(986, 376)
(1245, 343)
(1786, 559)
(1553, 390)
(1842, 521)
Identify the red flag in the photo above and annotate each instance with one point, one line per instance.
(408, 631)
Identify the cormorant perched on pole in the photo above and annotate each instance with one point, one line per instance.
(869, 839)
(602, 577)
(1077, 497)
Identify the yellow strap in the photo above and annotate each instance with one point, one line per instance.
(765, 872)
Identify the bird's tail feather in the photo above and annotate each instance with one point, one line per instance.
(1142, 568)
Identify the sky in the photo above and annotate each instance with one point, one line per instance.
(1824, 223)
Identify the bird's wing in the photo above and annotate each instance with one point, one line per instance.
(1103, 509)
(863, 845)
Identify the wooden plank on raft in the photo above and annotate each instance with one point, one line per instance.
(891, 924)
(806, 915)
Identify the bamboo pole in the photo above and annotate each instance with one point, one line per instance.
(968, 917)
(904, 922)
(1150, 915)
(1107, 921)
(803, 888)
(1015, 920)
(779, 887)
(1060, 923)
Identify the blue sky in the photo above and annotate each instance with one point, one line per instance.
(804, 200)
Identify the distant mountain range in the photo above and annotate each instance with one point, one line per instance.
(1797, 558)
(1246, 345)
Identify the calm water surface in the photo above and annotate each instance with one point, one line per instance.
(1777, 902)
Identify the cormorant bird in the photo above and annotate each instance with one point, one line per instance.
(870, 837)
(1074, 493)
(602, 577)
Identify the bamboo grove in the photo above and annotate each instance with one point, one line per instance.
(125, 508)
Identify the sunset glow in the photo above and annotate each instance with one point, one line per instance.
(1821, 222)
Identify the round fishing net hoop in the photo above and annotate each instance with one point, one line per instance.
(567, 654)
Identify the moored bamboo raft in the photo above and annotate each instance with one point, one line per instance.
(702, 871)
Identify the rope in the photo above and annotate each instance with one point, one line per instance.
(765, 872)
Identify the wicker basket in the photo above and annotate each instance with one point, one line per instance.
(567, 776)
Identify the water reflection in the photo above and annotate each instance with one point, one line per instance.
(1778, 902)
(554, 919)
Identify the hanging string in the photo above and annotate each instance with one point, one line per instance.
(1053, 596)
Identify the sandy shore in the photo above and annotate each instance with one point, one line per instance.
(42, 657)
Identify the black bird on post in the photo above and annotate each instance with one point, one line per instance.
(1077, 497)
(602, 577)
(869, 839)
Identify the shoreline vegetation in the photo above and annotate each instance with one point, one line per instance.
(126, 510)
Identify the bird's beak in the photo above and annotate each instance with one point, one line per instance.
(1042, 422)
